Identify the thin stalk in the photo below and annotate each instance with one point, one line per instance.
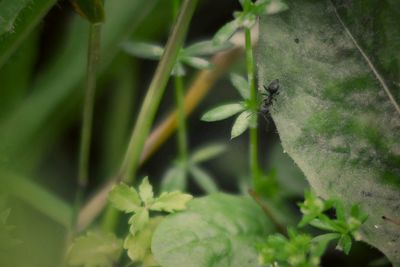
(253, 145)
(155, 92)
(182, 132)
(87, 116)
(281, 228)
(150, 104)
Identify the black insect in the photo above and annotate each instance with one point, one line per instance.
(271, 91)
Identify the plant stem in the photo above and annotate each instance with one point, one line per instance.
(182, 133)
(196, 92)
(150, 104)
(281, 229)
(155, 92)
(87, 116)
(253, 146)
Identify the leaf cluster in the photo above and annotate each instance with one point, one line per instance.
(140, 203)
(246, 110)
(303, 250)
(247, 17)
(193, 55)
(344, 227)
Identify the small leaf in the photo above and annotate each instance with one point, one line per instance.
(143, 50)
(178, 70)
(95, 249)
(276, 6)
(323, 241)
(345, 244)
(217, 230)
(170, 202)
(146, 191)
(225, 32)
(139, 220)
(197, 62)
(138, 245)
(222, 112)
(340, 211)
(241, 85)
(322, 225)
(241, 124)
(175, 179)
(124, 198)
(207, 152)
(203, 179)
(205, 48)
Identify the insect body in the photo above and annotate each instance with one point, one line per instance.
(269, 97)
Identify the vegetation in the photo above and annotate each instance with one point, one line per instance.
(80, 127)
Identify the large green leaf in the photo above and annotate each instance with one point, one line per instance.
(20, 18)
(9, 10)
(334, 114)
(217, 230)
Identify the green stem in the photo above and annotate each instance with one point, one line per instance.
(150, 104)
(87, 115)
(155, 92)
(182, 135)
(253, 146)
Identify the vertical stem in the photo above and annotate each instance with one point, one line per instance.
(151, 102)
(87, 115)
(182, 135)
(155, 92)
(253, 146)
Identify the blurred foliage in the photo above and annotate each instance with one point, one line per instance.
(42, 66)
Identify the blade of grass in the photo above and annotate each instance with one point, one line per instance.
(57, 87)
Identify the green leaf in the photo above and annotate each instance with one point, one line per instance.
(323, 241)
(205, 48)
(217, 230)
(269, 7)
(143, 50)
(139, 220)
(175, 179)
(56, 87)
(223, 34)
(92, 10)
(95, 249)
(138, 245)
(9, 11)
(197, 62)
(322, 225)
(203, 179)
(207, 152)
(124, 198)
(345, 244)
(178, 69)
(171, 201)
(334, 115)
(25, 23)
(241, 85)
(222, 112)
(146, 191)
(241, 124)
